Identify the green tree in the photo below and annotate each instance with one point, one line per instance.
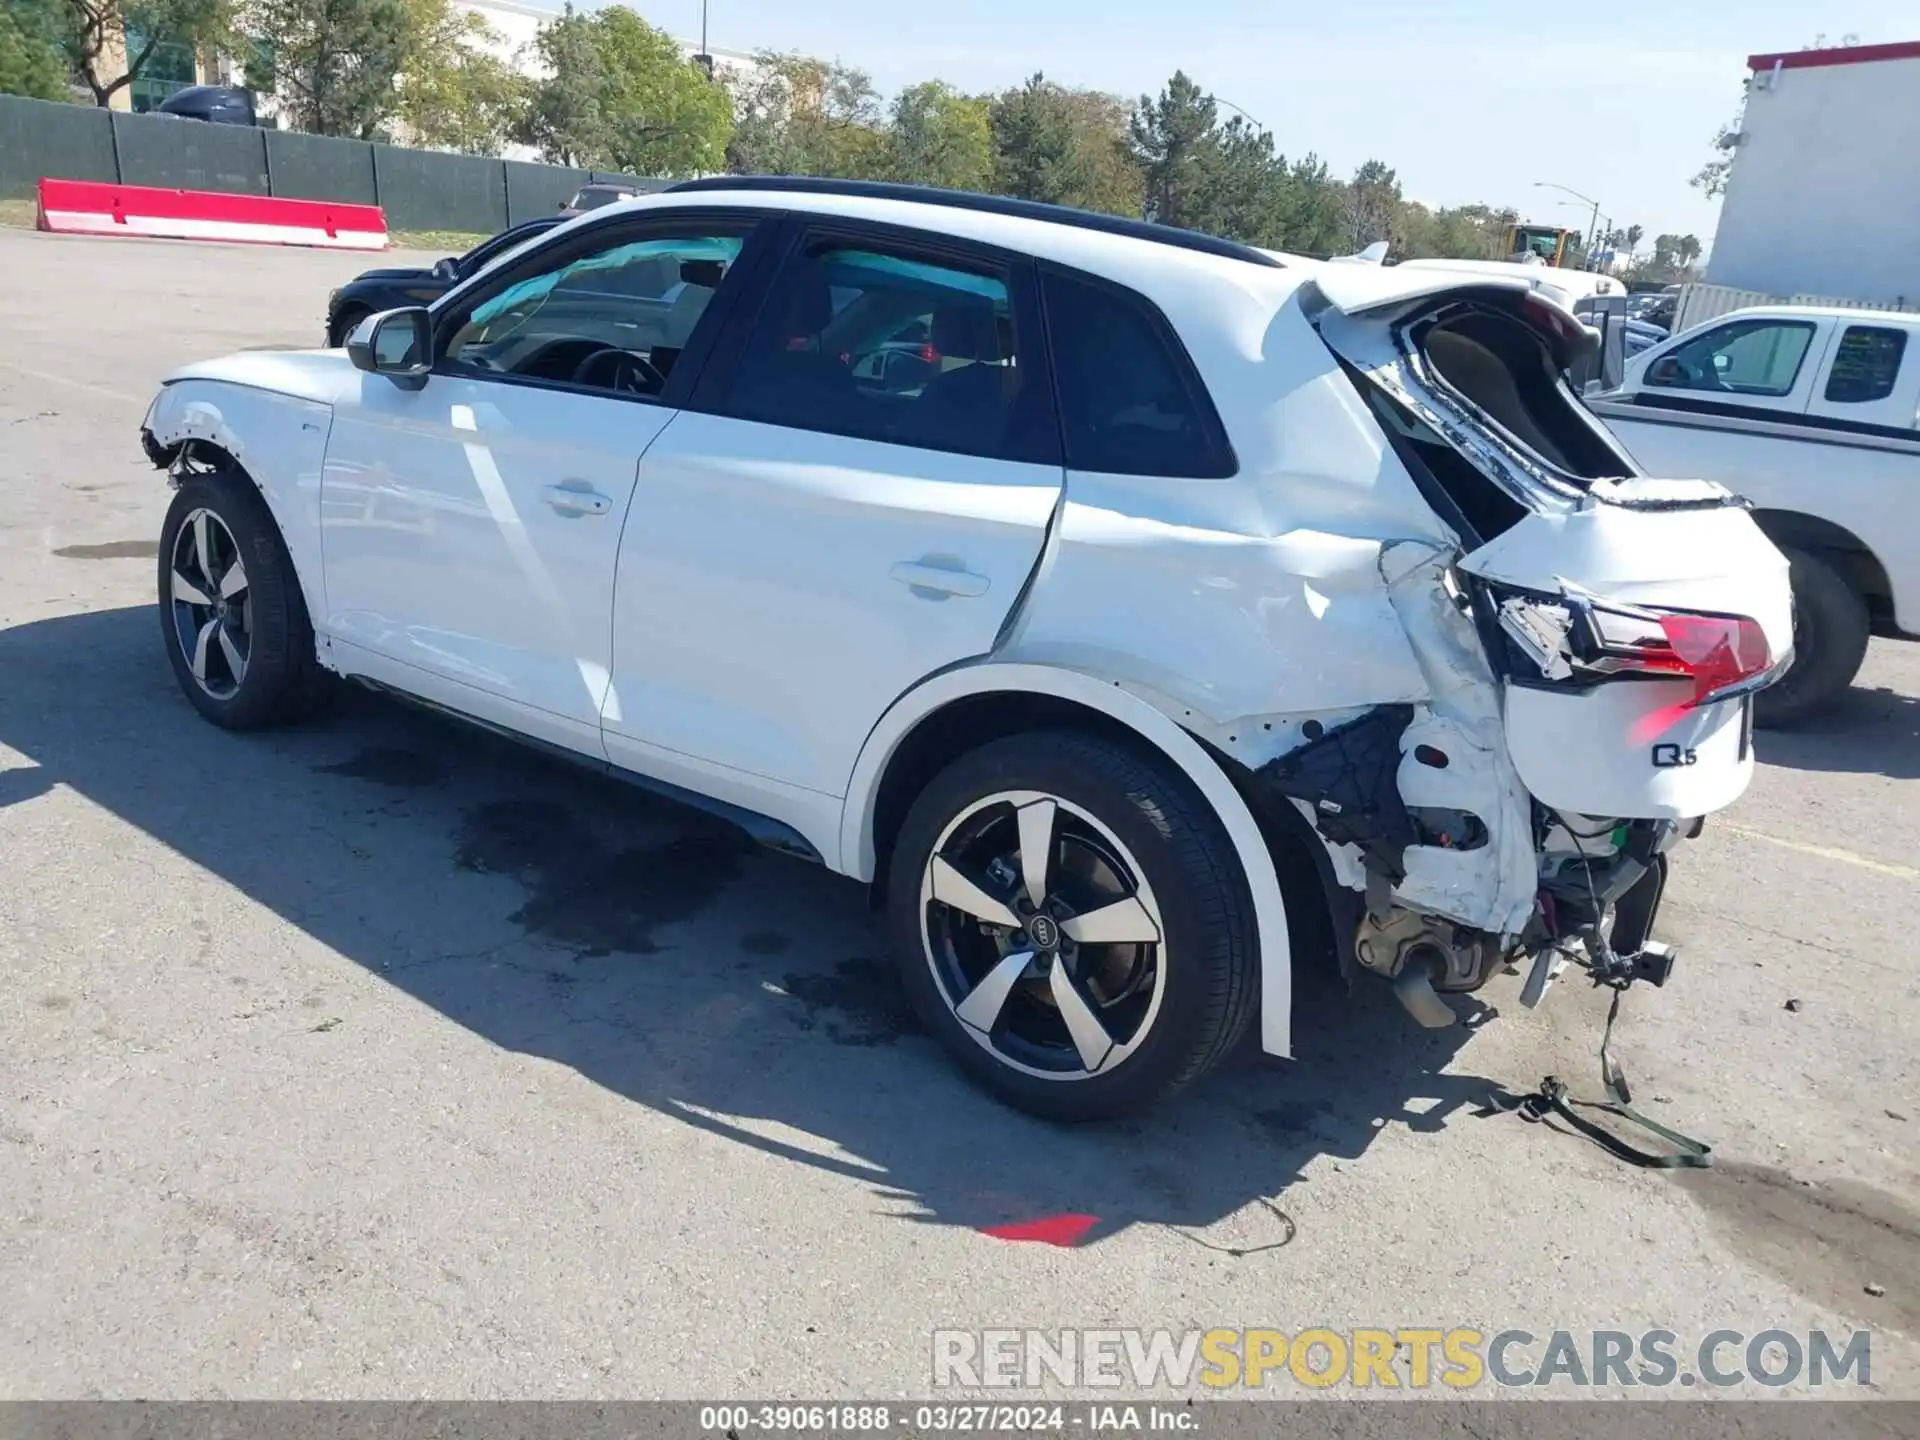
(332, 63)
(620, 96)
(563, 117)
(97, 32)
(1373, 204)
(33, 54)
(1673, 259)
(1181, 157)
(940, 137)
(802, 116)
(1235, 185)
(455, 93)
(1067, 147)
(663, 114)
(1313, 209)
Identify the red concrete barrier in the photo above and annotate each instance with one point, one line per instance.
(87, 207)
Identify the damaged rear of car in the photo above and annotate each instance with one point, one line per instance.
(1597, 637)
(1476, 676)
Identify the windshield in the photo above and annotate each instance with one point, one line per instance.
(1544, 243)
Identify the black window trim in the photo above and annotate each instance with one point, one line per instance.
(495, 246)
(758, 228)
(1752, 322)
(1222, 461)
(1845, 328)
(801, 228)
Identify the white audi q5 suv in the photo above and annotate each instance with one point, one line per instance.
(1144, 616)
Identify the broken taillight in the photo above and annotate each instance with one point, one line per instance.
(1575, 639)
(1721, 654)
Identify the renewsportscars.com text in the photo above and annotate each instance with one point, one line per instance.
(1396, 1359)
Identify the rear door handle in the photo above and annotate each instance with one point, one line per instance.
(575, 498)
(934, 582)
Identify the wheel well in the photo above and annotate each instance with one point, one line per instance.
(963, 725)
(205, 453)
(1300, 862)
(1847, 552)
(349, 315)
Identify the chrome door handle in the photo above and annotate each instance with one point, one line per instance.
(575, 499)
(936, 582)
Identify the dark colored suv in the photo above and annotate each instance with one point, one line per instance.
(216, 104)
(376, 290)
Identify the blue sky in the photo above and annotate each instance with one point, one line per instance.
(1467, 99)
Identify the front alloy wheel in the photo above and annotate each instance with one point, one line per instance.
(231, 611)
(212, 607)
(1045, 940)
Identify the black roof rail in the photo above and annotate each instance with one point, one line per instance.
(988, 204)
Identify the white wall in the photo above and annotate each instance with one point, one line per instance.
(518, 21)
(1824, 196)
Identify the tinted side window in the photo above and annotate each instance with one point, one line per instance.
(1865, 364)
(1748, 357)
(882, 344)
(614, 319)
(1130, 403)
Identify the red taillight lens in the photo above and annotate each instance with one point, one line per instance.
(1714, 651)
(1717, 651)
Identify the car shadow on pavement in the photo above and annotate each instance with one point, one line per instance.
(660, 954)
(1867, 732)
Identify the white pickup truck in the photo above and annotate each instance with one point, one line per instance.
(1810, 413)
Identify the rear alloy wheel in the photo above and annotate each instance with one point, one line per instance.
(1062, 978)
(1830, 629)
(1073, 925)
(231, 611)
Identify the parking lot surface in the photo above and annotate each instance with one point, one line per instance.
(379, 1058)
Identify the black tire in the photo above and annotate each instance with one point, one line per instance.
(1209, 953)
(283, 681)
(1830, 628)
(343, 324)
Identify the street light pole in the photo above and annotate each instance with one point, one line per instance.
(1241, 113)
(1593, 223)
(705, 58)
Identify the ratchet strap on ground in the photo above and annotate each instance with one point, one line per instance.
(1552, 1098)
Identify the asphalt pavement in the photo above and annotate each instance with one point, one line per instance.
(379, 1058)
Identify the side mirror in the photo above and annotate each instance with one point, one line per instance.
(395, 343)
(447, 269)
(1664, 371)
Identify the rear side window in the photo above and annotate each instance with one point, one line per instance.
(896, 345)
(1865, 364)
(1747, 357)
(1130, 402)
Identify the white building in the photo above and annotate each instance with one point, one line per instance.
(517, 22)
(1824, 194)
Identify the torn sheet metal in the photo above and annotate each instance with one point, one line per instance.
(1220, 626)
(1493, 886)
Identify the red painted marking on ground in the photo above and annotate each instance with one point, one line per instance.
(1065, 1231)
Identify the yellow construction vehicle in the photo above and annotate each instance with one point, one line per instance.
(1544, 245)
